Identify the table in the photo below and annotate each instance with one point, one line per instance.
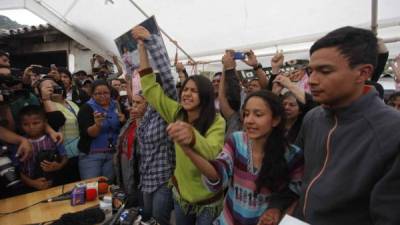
(42, 212)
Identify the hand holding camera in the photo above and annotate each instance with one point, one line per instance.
(251, 59)
(99, 117)
(46, 91)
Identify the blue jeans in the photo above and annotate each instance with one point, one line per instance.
(158, 205)
(95, 165)
(205, 217)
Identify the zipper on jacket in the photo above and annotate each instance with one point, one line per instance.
(328, 141)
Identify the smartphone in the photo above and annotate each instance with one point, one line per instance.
(239, 55)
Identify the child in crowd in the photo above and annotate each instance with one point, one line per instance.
(262, 172)
(38, 171)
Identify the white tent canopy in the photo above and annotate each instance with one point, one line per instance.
(205, 28)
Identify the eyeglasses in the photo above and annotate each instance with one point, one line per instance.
(102, 94)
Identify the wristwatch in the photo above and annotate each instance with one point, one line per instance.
(258, 66)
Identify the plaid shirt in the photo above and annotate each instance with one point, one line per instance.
(157, 153)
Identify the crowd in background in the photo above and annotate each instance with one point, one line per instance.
(225, 151)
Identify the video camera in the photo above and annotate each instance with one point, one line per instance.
(7, 169)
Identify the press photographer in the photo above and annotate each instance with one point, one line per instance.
(13, 97)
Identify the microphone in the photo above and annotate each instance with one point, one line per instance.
(77, 196)
(59, 198)
(102, 188)
(63, 196)
(82, 193)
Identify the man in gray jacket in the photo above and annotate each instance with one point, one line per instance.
(351, 142)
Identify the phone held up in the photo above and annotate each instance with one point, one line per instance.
(239, 56)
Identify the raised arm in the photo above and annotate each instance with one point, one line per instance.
(154, 94)
(229, 66)
(260, 73)
(158, 53)
(276, 64)
(299, 93)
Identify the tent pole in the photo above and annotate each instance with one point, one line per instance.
(386, 41)
(374, 16)
(162, 31)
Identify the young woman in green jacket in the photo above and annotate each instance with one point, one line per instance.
(194, 122)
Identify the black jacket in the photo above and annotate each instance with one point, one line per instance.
(79, 96)
(352, 164)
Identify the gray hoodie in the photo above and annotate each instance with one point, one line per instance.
(352, 164)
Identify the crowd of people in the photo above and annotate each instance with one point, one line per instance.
(319, 143)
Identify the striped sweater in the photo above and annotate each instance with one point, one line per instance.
(242, 205)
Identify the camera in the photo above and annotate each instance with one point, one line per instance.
(48, 155)
(58, 90)
(7, 169)
(239, 55)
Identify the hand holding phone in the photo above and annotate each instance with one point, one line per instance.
(99, 117)
(239, 56)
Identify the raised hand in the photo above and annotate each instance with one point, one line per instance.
(277, 60)
(228, 60)
(251, 59)
(179, 67)
(140, 33)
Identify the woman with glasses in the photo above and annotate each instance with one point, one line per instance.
(99, 125)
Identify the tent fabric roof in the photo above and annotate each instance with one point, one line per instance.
(206, 28)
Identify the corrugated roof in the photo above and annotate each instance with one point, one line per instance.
(30, 29)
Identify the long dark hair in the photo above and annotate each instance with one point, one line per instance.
(291, 135)
(207, 108)
(274, 173)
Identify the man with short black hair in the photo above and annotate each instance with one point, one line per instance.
(351, 143)
(215, 82)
